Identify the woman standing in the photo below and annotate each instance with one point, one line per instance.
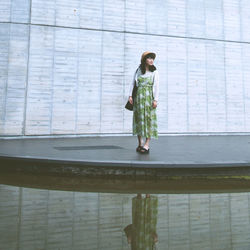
(146, 79)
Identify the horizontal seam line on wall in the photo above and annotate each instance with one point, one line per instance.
(131, 32)
(121, 134)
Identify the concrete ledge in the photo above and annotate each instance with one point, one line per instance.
(170, 157)
(119, 169)
(114, 184)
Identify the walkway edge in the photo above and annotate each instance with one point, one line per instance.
(120, 169)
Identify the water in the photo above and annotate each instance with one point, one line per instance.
(33, 218)
(34, 215)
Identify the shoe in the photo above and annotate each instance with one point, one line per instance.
(144, 150)
(138, 149)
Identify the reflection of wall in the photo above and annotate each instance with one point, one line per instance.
(65, 65)
(41, 219)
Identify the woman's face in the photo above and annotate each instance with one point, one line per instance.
(149, 61)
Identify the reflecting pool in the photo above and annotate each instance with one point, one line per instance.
(33, 218)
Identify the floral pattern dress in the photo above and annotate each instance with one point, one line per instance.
(142, 231)
(144, 115)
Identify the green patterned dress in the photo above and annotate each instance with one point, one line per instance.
(142, 231)
(144, 115)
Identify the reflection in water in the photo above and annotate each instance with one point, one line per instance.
(141, 233)
(48, 219)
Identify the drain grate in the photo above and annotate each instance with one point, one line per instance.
(97, 147)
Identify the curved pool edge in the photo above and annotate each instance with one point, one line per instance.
(50, 166)
(171, 185)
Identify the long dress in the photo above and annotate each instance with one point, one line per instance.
(144, 220)
(144, 115)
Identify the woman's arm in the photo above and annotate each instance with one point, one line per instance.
(132, 84)
(156, 86)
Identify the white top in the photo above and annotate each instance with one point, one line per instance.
(147, 74)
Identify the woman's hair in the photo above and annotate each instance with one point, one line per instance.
(142, 66)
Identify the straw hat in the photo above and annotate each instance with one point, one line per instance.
(147, 53)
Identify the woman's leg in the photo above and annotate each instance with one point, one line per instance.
(147, 143)
(139, 196)
(140, 141)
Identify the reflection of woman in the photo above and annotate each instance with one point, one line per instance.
(141, 234)
(146, 79)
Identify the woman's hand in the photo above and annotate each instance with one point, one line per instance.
(154, 104)
(130, 99)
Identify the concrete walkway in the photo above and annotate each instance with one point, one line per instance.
(181, 164)
(168, 152)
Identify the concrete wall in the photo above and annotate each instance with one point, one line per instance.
(65, 66)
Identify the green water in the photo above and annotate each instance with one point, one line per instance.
(33, 218)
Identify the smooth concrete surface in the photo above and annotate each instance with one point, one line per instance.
(116, 155)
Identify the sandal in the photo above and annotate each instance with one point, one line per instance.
(144, 150)
(138, 149)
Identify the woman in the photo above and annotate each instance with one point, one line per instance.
(146, 79)
(141, 234)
